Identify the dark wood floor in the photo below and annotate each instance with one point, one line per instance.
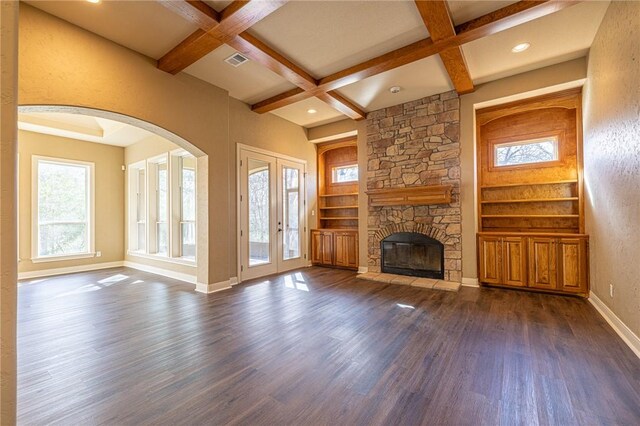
(315, 346)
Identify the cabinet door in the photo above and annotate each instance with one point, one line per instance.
(490, 259)
(327, 248)
(316, 247)
(542, 263)
(515, 261)
(572, 265)
(346, 247)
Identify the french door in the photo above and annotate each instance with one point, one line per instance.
(272, 214)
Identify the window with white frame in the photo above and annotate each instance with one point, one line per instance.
(162, 207)
(343, 174)
(187, 207)
(138, 207)
(63, 209)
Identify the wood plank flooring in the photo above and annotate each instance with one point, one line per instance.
(315, 346)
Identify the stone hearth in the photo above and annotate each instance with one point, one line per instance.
(415, 144)
(411, 281)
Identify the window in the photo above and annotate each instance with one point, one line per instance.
(138, 207)
(162, 207)
(344, 174)
(188, 207)
(63, 209)
(526, 152)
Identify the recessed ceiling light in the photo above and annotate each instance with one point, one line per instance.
(520, 47)
(394, 89)
(94, 1)
(311, 111)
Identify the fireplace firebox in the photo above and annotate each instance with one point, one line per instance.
(414, 254)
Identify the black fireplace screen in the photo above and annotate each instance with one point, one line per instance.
(410, 253)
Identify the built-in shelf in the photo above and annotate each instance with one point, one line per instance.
(350, 194)
(532, 200)
(500, 216)
(506, 185)
(338, 207)
(340, 218)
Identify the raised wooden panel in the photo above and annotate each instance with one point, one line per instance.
(543, 263)
(572, 265)
(346, 247)
(316, 247)
(490, 260)
(515, 261)
(327, 248)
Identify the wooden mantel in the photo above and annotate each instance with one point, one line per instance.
(411, 196)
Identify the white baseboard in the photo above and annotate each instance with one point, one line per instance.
(68, 270)
(213, 288)
(191, 279)
(616, 323)
(470, 282)
(363, 269)
(233, 281)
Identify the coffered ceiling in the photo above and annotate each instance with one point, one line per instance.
(293, 46)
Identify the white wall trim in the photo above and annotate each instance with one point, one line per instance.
(616, 323)
(191, 279)
(470, 282)
(68, 270)
(213, 288)
(233, 281)
(363, 269)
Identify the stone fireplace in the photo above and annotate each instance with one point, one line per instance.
(415, 144)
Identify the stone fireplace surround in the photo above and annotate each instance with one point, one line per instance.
(416, 144)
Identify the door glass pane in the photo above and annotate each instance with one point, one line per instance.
(291, 210)
(259, 214)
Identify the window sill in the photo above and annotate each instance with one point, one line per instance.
(62, 258)
(159, 258)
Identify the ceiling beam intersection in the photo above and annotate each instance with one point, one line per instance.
(499, 20)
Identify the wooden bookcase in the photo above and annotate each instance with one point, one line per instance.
(531, 216)
(335, 241)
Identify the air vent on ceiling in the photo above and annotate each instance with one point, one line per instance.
(236, 59)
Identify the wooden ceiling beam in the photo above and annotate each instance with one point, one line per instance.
(491, 23)
(258, 51)
(342, 104)
(437, 19)
(283, 99)
(214, 30)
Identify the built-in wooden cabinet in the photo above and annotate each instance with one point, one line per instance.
(334, 247)
(530, 195)
(556, 263)
(335, 241)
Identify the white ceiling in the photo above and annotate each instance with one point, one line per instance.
(82, 127)
(326, 36)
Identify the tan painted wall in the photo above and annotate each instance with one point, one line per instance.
(274, 134)
(147, 148)
(510, 88)
(342, 128)
(109, 195)
(8, 216)
(611, 101)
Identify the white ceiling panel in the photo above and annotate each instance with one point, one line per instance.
(218, 4)
(297, 113)
(416, 80)
(144, 26)
(250, 82)
(465, 10)
(555, 38)
(327, 36)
